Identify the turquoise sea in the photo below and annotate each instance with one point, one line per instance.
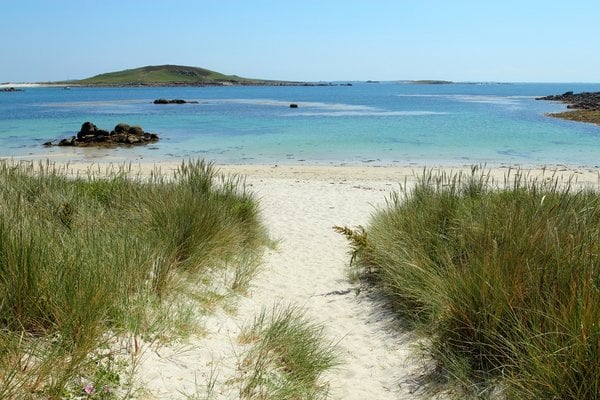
(366, 123)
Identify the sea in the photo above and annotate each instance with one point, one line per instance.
(375, 123)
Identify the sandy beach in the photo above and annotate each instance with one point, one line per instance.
(300, 205)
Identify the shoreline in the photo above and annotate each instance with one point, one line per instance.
(583, 175)
(582, 116)
(24, 85)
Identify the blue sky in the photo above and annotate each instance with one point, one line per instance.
(459, 40)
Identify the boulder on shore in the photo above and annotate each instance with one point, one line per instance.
(123, 134)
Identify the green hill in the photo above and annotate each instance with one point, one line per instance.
(167, 75)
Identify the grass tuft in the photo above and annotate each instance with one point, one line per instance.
(504, 275)
(287, 358)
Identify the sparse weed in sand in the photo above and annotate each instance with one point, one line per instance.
(89, 258)
(505, 276)
(287, 357)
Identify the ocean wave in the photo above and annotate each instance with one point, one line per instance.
(485, 99)
(362, 113)
(469, 98)
(301, 104)
(321, 109)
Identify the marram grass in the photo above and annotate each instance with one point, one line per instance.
(83, 258)
(287, 358)
(505, 276)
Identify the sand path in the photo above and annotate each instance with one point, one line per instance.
(306, 269)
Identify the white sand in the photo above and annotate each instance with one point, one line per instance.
(307, 269)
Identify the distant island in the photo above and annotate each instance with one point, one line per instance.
(431, 82)
(583, 107)
(177, 75)
(425, 82)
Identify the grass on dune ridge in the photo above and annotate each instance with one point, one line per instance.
(505, 276)
(88, 256)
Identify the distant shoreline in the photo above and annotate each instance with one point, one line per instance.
(219, 84)
(172, 84)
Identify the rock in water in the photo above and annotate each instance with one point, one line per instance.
(174, 101)
(122, 134)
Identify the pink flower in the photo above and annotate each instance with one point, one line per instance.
(89, 389)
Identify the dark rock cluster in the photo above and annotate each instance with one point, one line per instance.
(11, 89)
(174, 101)
(579, 101)
(123, 134)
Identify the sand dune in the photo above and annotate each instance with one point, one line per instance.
(300, 206)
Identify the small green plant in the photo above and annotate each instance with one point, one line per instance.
(287, 358)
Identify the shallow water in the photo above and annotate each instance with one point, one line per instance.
(374, 124)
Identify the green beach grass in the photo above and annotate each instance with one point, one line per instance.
(503, 276)
(287, 358)
(90, 259)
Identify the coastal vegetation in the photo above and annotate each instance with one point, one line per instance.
(107, 260)
(503, 276)
(589, 116)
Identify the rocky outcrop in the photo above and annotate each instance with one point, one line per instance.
(10, 89)
(583, 107)
(173, 101)
(122, 134)
(577, 101)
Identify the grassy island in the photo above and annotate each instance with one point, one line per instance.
(169, 75)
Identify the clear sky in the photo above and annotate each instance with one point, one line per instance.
(308, 40)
